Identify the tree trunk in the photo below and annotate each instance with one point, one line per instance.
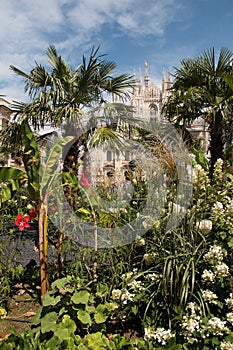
(59, 255)
(216, 146)
(43, 246)
(95, 245)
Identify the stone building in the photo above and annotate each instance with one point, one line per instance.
(147, 99)
(5, 116)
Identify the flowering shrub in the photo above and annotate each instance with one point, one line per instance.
(23, 221)
(175, 286)
(160, 336)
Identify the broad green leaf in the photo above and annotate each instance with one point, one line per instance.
(90, 308)
(5, 194)
(65, 328)
(50, 300)
(84, 317)
(96, 341)
(8, 174)
(13, 179)
(49, 322)
(51, 169)
(60, 283)
(81, 297)
(102, 312)
(37, 318)
(53, 343)
(31, 159)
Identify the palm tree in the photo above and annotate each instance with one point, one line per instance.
(59, 94)
(200, 89)
(58, 97)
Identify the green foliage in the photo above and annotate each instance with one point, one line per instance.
(95, 341)
(201, 158)
(69, 309)
(11, 179)
(165, 289)
(31, 159)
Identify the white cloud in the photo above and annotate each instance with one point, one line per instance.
(29, 26)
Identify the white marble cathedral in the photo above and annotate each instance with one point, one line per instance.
(147, 99)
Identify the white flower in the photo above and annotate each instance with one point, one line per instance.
(199, 172)
(191, 321)
(215, 253)
(218, 169)
(209, 296)
(23, 197)
(162, 335)
(136, 285)
(149, 257)
(140, 241)
(190, 324)
(148, 222)
(218, 207)
(217, 326)
(201, 178)
(230, 317)
(148, 333)
(208, 276)
(229, 208)
(204, 226)
(222, 270)
(116, 294)
(229, 301)
(126, 296)
(193, 307)
(154, 276)
(226, 346)
(128, 275)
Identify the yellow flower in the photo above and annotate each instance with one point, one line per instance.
(3, 312)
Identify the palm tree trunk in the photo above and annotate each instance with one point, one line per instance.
(216, 145)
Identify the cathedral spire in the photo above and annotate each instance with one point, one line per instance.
(146, 77)
(169, 76)
(140, 82)
(134, 82)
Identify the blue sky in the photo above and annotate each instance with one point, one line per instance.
(130, 32)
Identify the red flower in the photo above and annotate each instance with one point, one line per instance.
(32, 213)
(22, 222)
(85, 181)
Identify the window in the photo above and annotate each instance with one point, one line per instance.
(109, 155)
(127, 155)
